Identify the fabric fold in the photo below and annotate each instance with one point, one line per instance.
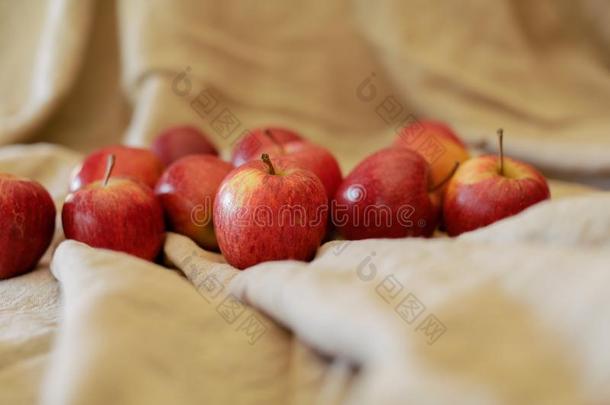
(445, 318)
(53, 61)
(134, 332)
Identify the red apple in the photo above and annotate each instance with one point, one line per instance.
(180, 141)
(437, 143)
(269, 210)
(186, 191)
(136, 163)
(388, 195)
(27, 224)
(258, 141)
(305, 155)
(488, 188)
(316, 159)
(119, 214)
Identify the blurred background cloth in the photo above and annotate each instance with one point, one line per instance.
(346, 73)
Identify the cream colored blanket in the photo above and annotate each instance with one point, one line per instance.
(514, 313)
(345, 72)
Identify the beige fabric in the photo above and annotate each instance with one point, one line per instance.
(513, 313)
(524, 301)
(59, 73)
(133, 333)
(548, 88)
(41, 49)
(541, 71)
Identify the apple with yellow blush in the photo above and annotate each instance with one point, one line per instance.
(437, 143)
(489, 188)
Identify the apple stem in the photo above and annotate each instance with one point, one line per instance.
(447, 178)
(501, 142)
(277, 143)
(109, 166)
(265, 158)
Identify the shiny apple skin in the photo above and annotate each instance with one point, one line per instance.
(177, 142)
(314, 158)
(186, 191)
(478, 195)
(136, 163)
(124, 216)
(252, 214)
(437, 143)
(396, 178)
(27, 224)
(253, 145)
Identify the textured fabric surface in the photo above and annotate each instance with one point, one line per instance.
(513, 313)
(344, 72)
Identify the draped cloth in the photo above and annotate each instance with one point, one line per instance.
(513, 313)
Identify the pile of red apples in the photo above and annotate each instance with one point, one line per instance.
(278, 198)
